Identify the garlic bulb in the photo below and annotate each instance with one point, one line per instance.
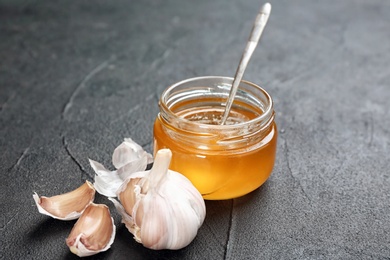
(129, 157)
(66, 206)
(93, 232)
(160, 207)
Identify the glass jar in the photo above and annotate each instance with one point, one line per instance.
(222, 161)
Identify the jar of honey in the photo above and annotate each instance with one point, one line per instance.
(222, 161)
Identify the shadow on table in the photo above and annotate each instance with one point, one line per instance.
(49, 228)
(253, 197)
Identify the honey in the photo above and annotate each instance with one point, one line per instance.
(222, 161)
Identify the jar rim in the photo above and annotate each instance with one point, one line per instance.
(266, 115)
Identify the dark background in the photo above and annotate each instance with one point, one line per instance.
(76, 77)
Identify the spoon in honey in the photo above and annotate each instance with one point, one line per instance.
(257, 30)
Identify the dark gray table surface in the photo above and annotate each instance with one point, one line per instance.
(76, 77)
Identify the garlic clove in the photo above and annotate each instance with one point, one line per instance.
(160, 207)
(127, 220)
(176, 214)
(66, 206)
(93, 232)
(129, 157)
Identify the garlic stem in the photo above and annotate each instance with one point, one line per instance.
(159, 169)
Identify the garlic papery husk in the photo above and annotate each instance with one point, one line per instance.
(128, 157)
(66, 206)
(93, 232)
(161, 207)
(127, 152)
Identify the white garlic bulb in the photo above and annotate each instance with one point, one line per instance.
(160, 207)
(93, 232)
(129, 157)
(67, 206)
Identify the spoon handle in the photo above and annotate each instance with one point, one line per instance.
(257, 30)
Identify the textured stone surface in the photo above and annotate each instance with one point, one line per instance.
(78, 76)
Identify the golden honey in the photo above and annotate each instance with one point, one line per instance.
(222, 161)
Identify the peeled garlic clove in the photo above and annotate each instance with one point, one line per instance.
(66, 206)
(93, 232)
(129, 157)
(160, 207)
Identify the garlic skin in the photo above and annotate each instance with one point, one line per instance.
(129, 152)
(160, 207)
(128, 157)
(67, 206)
(94, 231)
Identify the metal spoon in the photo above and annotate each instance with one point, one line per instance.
(257, 30)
